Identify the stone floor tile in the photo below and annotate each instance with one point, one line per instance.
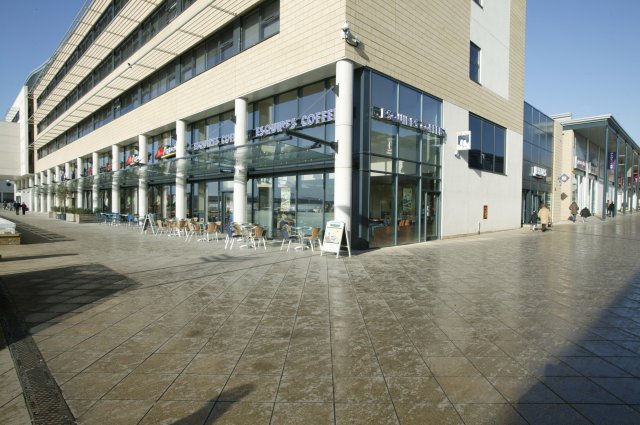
(581, 390)
(472, 389)
(418, 414)
(192, 387)
(141, 386)
(349, 389)
(425, 390)
(489, 414)
(603, 414)
(303, 414)
(551, 414)
(232, 413)
(250, 388)
(594, 367)
(498, 366)
(15, 412)
(164, 363)
(524, 389)
(307, 389)
(451, 366)
(365, 414)
(91, 386)
(115, 412)
(626, 389)
(178, 412)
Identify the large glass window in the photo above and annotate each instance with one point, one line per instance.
(474, 63)
(488, 144)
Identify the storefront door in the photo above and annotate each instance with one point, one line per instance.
(227, 207)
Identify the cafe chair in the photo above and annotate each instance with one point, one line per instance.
(313, 238)
(285, 231)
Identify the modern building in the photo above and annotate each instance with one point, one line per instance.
(537, 157)
(597, 164)
(402, 120)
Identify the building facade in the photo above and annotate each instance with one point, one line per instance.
(266, 111)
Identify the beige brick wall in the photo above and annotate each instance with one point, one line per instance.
(562, 163)
(425, 44)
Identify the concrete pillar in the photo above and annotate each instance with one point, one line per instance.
(240, 175)
(43, 192)
(115, 183)
(344, 139)
(181, 178)
(94, 186)
(143, 205)
(67, 171)
(32, 192)
(50, 202)
(80, 191)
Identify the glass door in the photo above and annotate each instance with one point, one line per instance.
(431, 202)
(227, 207)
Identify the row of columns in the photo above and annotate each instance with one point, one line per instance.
(343, 162)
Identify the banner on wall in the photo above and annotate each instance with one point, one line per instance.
(464, 140)
(612, 160)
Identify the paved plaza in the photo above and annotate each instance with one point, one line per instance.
(104, 325)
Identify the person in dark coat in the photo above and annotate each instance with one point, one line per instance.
(574, 210)
(533, 219)
(585, 213)
(610, 209)
(16, 206)
(24, 208)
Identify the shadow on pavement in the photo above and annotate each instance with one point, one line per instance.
(35, 257)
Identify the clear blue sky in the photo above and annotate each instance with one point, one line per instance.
(582, 56)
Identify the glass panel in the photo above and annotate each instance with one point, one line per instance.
(284, 201)
(381, 164)
(310, 200)
(409, 102)
(431, 110)
(329, 184)
(475, 153)
(213, 202)
(383, 92)
(262, 203)
(381, 210)
(251, 29)
(200, 59)
(474, 63)
(287, 106)
(270, 19)
(407, 204)
(409, 144)
(500, 143)
(488, 148)
(406, 167)
(383, 137)
(431, 146)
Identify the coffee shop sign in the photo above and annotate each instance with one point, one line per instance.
(308, 120)
(407, 121)
(213, 142)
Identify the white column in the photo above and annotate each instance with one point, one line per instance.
(57, 177)
(143, 206)
(240, 175)
(94, 186)
(115, 183)
(32, 191)
(50, 202)
(67, 176)
(79, 197)
(344, 139)
(181, 178)
(43, 192)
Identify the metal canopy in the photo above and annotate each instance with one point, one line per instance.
(264, 157)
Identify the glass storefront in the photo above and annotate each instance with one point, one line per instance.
(400, 159)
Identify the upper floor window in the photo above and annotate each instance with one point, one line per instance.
(488, 142)
(474, 63)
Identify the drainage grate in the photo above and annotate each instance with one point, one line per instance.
(41, 392)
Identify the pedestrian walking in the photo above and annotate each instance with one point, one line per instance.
(24, 208)
(545, 217)
(533, 219)
(16, 206)
(610, 209)
(574, 210)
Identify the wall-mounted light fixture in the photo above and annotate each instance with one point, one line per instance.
(347, 36)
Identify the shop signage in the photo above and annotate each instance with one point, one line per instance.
(407, 121)
(612, 160)
(308, 120)
(538, 172)
(227, 139)
(165, 152)
(464, 140)
(335, 237)
(133, 160)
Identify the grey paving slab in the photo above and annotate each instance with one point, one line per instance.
(503, 328)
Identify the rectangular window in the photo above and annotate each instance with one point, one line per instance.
(488, 145)
(474, 63)
(251, 30)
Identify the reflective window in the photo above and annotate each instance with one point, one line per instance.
(488, 143)
(474, 63)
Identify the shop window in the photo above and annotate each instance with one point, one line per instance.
(488, 144)
(474, 63)
(251, 29)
